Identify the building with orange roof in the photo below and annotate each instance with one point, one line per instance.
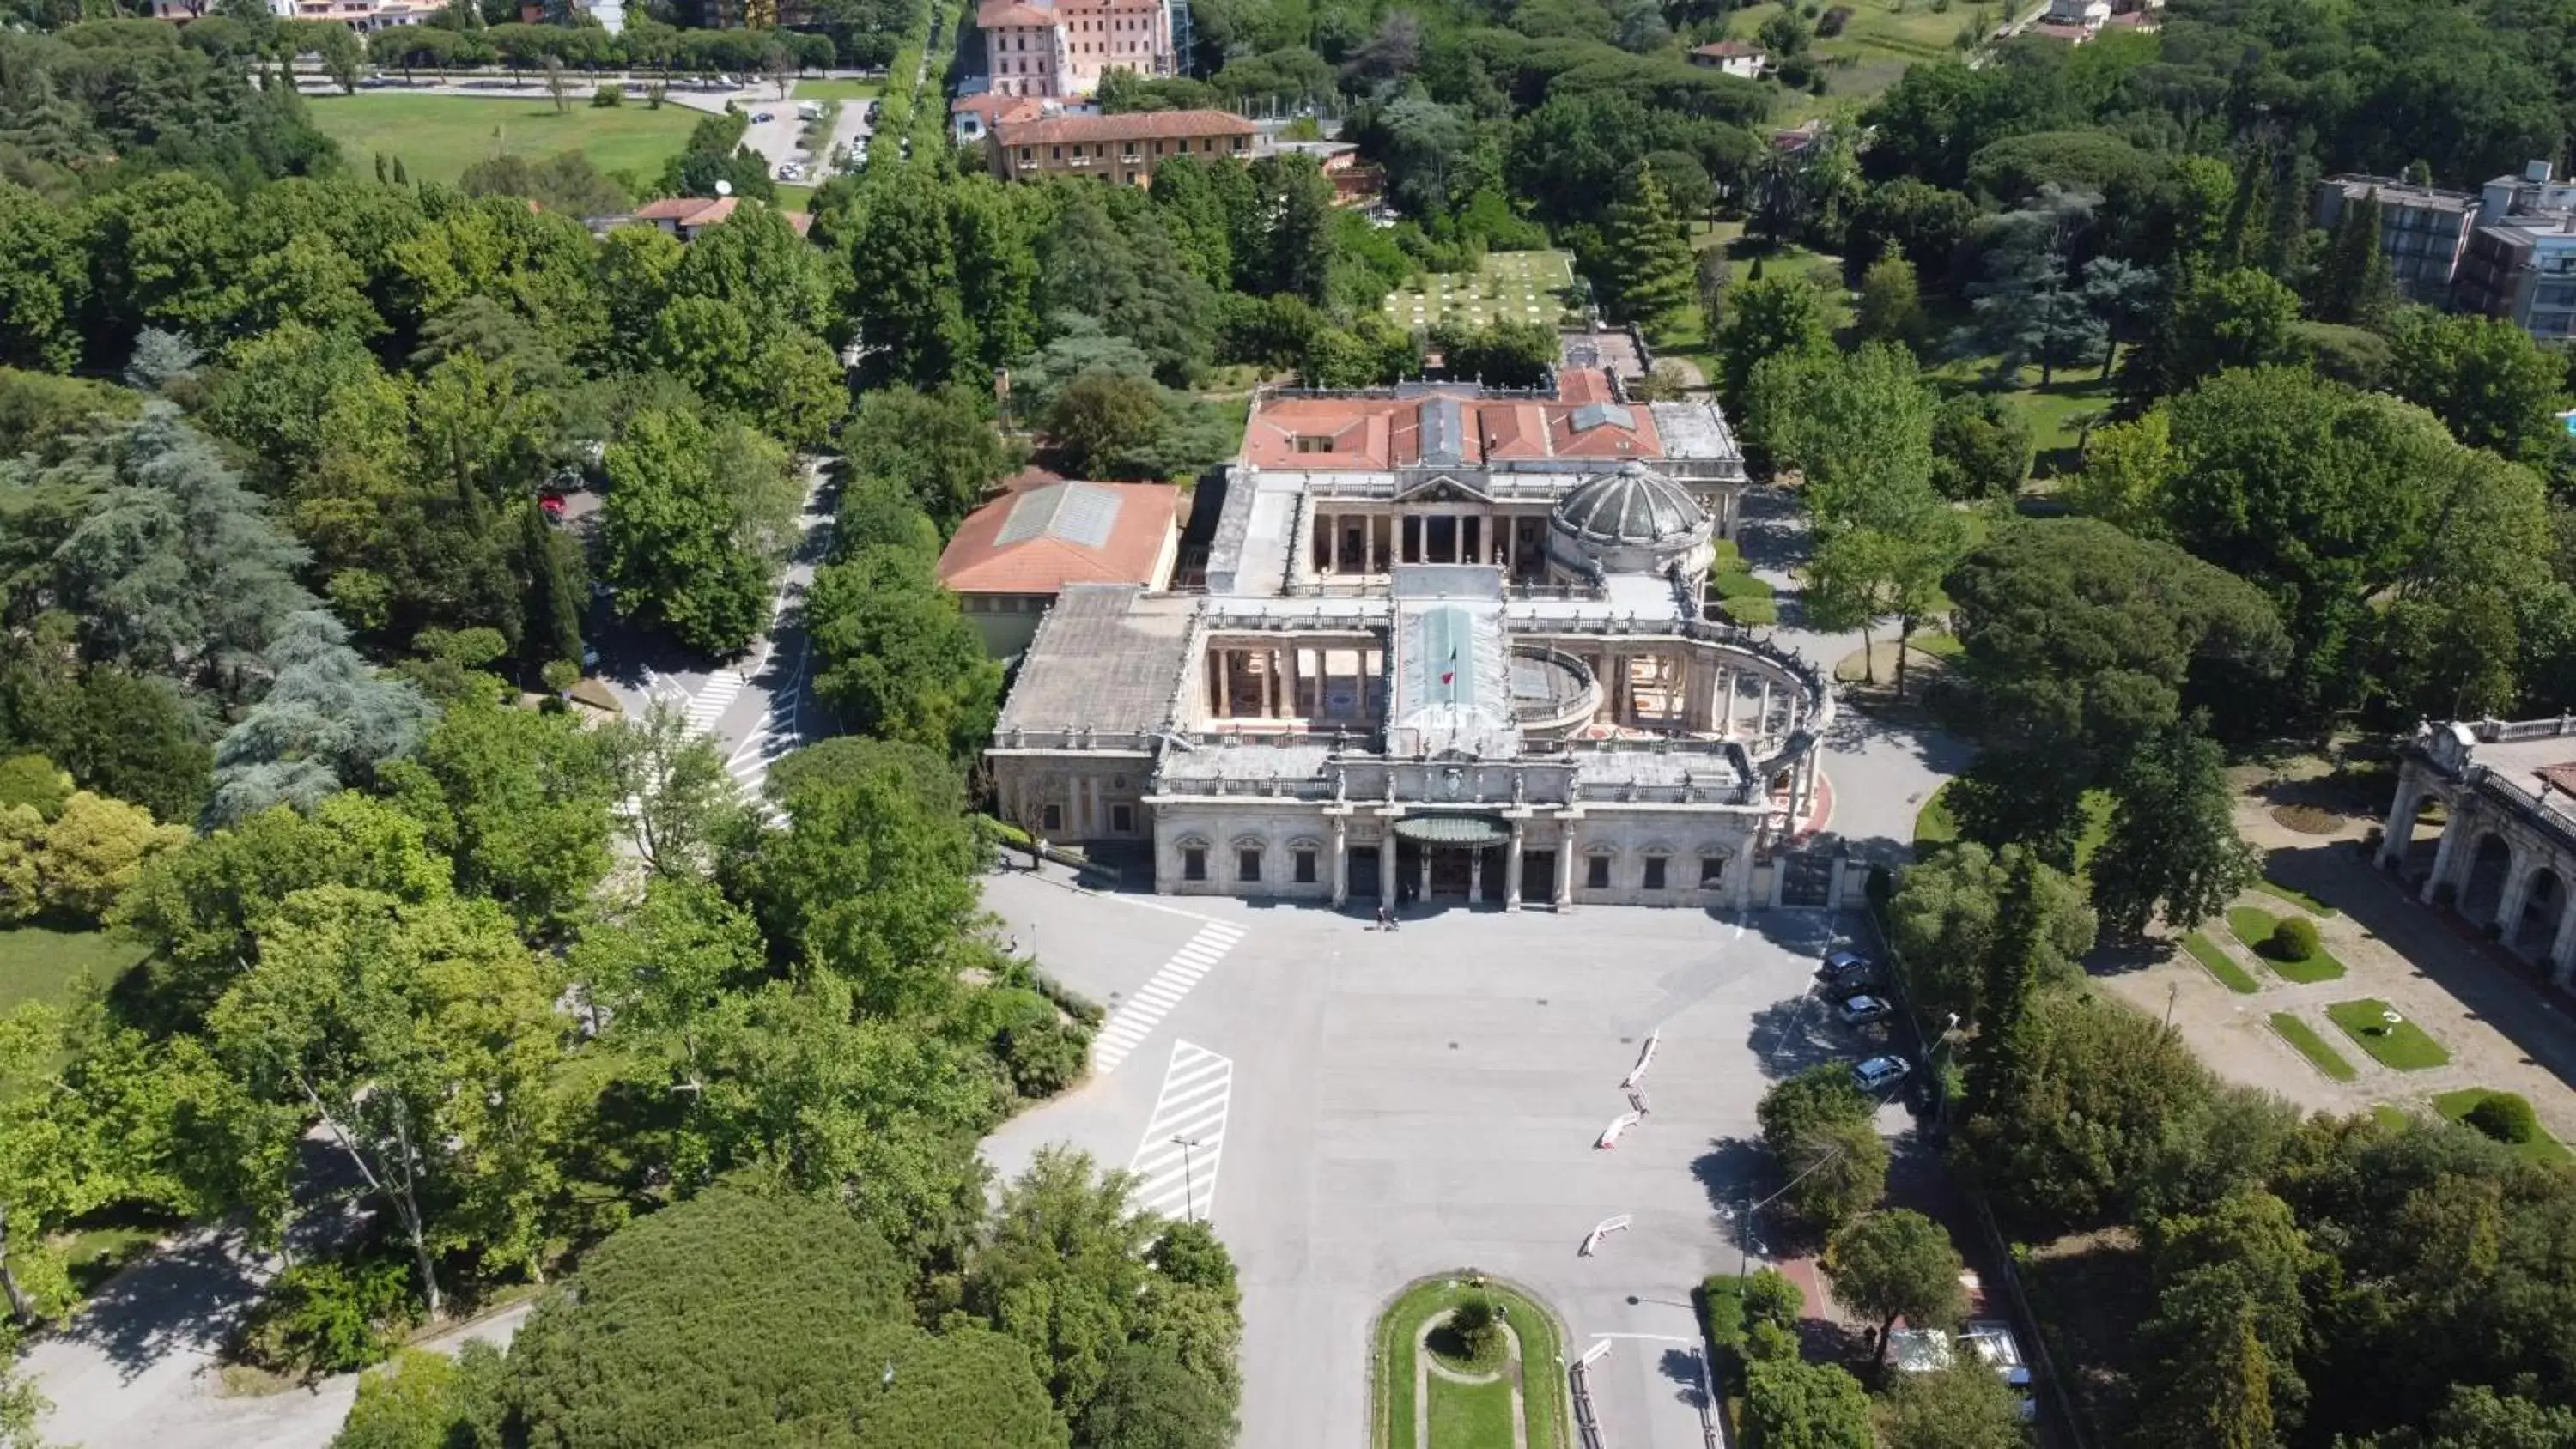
(1010, 558)
(1062, 48)
(1123, 148)
(1439, 643)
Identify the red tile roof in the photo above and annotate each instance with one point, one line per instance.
(689, 210)
(1042, 558)
(1131, 126)
(1727, 49)
(1376, 433)
(1001, 14)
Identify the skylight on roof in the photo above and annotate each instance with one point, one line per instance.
(1083, 513)
(1593, 415)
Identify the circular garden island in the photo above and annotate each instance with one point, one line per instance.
(1467, 1361)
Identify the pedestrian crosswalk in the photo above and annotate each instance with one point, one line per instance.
(1137, 1016)
(1184, 1142)
(712, 699)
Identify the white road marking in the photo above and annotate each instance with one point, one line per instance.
(1175, 1179)
(710, 702)
(1138, 1015)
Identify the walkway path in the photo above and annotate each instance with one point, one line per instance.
(1426, 1364)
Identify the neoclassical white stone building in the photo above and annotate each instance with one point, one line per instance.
(1460, 654)
(2506, 853)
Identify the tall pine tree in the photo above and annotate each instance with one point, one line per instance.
(1652, 274)
(2354, 284)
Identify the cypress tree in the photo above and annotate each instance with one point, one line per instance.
(1651, 268)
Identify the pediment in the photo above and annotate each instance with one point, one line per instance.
(1443, 488)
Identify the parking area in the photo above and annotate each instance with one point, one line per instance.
(1373, 1107)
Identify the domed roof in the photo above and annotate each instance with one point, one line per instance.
(1635, 505)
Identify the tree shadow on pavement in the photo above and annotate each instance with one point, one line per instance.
(1681, 1365)
(1791, 1036)
(1732, 1172)
(186, 1298)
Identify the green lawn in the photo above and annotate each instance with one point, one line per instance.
(2312, 1046)
(1512, 287)
(40, 964)
(2296, 897)
(437, 137)
(1542, 1395)
(2543, 1149)
(1470, 1416)
(1932, 824)
(2253, 926)
(2402, 1044)
(837, 90)
(1748, 600)
(2221, 965)
(2393, 1119)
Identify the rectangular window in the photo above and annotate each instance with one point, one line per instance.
(1305, 867)
(1194, 864)
(1122, 818)
(1051, 818)
(1059, 152)
(1314, 443)
(1247, 865)
(1596, 873)
(1712, 872)
(1654, 872)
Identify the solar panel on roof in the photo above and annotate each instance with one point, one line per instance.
(1083, 513)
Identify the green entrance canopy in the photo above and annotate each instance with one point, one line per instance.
(1453, 830)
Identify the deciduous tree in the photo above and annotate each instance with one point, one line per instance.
(1897, 1264)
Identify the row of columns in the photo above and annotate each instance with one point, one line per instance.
(1724, 697)
(1386, 869)
(1283, 678)
(1473, 539)
(2451, 865)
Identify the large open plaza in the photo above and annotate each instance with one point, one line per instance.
(1390, 1105)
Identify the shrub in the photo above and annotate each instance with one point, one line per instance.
(1478, 1327)
(1831, 23)
(1769, 1343)
(607, 96)
(1722, 1311)
(333, 1316)
(1770, 1297)
(2294, 939)
(2505, 1117)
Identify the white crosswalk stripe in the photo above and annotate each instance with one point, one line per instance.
(1184, 1143)
(1138, 1015)
(714, 698)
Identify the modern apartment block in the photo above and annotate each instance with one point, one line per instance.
(2521, 259)
(2423, 230)
(1122, 148)
(1063, 47)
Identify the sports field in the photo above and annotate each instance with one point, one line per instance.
(437, 137)
(1513, 287)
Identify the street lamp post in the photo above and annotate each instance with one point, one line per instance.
(1189, 1178)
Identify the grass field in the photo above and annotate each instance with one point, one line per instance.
(1748, 600)
(40, 964)
(1513, 287)
(2304, 1038)
(2253, 926)
(837, 90)
(437, 137)
(2543, 1149)
(2214, 957)
(2400, 1044)
(1464, 1419)
(2296, 897)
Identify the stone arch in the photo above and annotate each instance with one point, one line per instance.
(2544, 900)
(2483, 879)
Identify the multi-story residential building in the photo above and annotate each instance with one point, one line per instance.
(362, 16)
(1063, 47)
(2521, 257)
(1123, 148)
(2423, 231)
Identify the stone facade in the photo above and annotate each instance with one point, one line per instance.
(1498, 689)
(2506, 854)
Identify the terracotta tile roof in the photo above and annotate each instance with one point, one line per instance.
(1368, 433)
(1132, 126)
(689, 210)
(1038, 540)
(995, 107)
(1001, 14)
(1728, 49)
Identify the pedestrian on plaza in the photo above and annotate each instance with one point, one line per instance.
(1385, 917)
(1037, 854)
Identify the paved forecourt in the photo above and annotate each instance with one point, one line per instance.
(1402, 1104)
